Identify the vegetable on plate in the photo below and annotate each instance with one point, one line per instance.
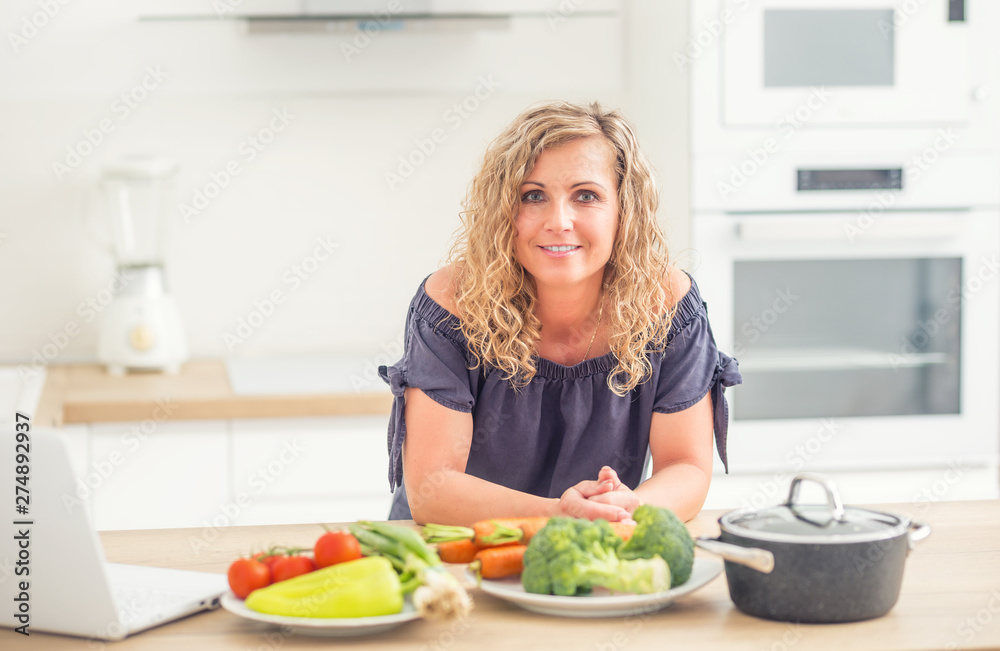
(458, 551)
(570, 556)
(501, 531)
(658, 532)
(498, 562)
(364, 587)
(335, 547)
(246, 575)
(436, 592)
(289, 567)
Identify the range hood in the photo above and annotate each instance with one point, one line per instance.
(353, 10)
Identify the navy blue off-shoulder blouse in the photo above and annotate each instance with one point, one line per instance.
(566, 423)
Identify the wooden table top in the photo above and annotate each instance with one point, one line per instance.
(950, 599)
(86, 393)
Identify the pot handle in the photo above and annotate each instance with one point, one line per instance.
(917, 532)
(754, 558)
(832, 496)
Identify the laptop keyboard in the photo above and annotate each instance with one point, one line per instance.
(141, 604)
(148, 596)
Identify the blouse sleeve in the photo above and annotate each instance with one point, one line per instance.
(692, 366)
(433, 361)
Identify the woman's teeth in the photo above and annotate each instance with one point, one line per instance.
(559, 249)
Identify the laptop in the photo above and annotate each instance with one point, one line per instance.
(71, 589)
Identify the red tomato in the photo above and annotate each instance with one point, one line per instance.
(268, 560)
(288, 566)
(336, 547)
(246, 575)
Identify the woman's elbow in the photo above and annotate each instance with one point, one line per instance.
(697, 496)
(426, 497)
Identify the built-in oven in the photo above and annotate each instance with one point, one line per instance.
(888, 61)
(860, 312)
(845, 211)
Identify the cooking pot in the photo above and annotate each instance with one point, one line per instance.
(814, 563)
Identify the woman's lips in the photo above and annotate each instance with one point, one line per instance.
(560, 250)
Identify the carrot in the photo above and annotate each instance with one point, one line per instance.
(623, 530)
(498, 562)
(457, 551)
(500, 531)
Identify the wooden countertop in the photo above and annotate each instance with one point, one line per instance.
(950, 598)
(88, 394)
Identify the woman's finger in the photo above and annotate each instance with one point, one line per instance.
(589, 487)
(608, 473)
(575, 505)
(625, 499)
(611, 513)
(591, 510)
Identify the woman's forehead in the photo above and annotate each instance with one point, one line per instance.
(591, 157)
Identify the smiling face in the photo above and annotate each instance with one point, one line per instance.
(566, 227)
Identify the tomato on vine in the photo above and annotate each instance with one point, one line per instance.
(336, 547)
(246, 575)
(287, 567)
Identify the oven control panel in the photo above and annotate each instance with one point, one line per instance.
(850, 179)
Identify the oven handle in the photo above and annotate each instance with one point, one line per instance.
(811, 227)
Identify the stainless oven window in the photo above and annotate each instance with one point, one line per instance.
(828, 47)
(847, 338)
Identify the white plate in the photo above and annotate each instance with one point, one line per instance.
(601, 603)
(331, 627)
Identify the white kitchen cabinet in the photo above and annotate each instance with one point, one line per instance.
(151, 475)
(210, 474)
(311, 469)
(207, 474)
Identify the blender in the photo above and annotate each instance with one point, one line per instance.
(140, 328)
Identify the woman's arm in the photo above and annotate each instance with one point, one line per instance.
(681, 447)
(435, 453)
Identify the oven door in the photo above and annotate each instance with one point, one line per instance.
(861, 342)
(877, 61)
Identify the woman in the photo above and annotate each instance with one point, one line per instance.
(558, 346)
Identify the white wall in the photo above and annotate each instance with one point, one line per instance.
(323, 175)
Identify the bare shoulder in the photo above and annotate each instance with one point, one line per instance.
(440, 286)
(677, 283)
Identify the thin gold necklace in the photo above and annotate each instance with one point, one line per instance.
(600, 315)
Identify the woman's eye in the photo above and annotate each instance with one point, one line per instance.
(588, 196)
(532, 196)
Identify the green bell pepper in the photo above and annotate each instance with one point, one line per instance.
(365, 587)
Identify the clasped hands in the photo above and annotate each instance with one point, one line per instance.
(606, 497)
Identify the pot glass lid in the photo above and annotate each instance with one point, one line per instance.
(814, 520)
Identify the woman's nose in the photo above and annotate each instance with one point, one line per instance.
(559, 217)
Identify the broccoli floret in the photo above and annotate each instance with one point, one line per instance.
(571, 556)
(658, 532)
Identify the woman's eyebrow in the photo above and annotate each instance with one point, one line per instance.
(542, 185)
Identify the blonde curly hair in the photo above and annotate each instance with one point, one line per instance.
(495, 297)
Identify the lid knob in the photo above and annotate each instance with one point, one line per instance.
(832, 496)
